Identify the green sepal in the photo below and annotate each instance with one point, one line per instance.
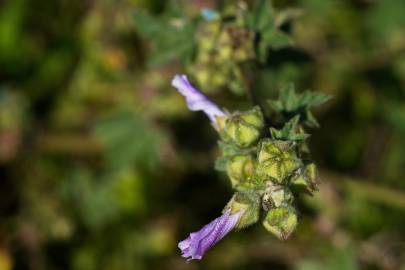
(249, 203)
(268, 148)
(240, 170)
(245, 135)
(276, 196)
(277, 160)
(305, 179)
(228, 151)
(281, 221)
(253, 117)
(220, 164)
(241, 128)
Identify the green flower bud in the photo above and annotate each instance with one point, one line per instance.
(242, 43)
(281, 221)
(249, 203)
(312, 173)
(242, 129)
(277, 161)
(207, 35)
(269, 149)
(236, 82)
(244, 134)
(305, 179)
(276, 196)
(254, 117)
(240, 169)
(224, 46)
(221, 123)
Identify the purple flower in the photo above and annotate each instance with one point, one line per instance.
(199, 242)
(196, 101)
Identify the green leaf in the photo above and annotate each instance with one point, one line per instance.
(220, 163)
(312, 99)
(228, 151)
(311, 120)
(147, 25)
(289, 132)
(103, 199)
(261, 21)
(395, 115)
(129, 140)
(262, 16)
(292, 103)
(272, 38)
(342, 258)
(172, 37)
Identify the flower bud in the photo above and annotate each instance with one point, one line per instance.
(241, 128)
(281, 221)
(240, 169)
(277, 161)
(225, 46)
(305, 179)
(248, 203)
(276, 196)
(253, 117)
(207, 34)
(312, 173)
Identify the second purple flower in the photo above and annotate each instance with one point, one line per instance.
(199, 242)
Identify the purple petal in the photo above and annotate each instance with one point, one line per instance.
(199, 242)
(196, 101)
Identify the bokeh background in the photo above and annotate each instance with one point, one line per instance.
(103, 167)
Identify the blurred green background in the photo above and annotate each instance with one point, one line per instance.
(103, 167)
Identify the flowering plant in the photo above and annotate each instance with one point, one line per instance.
(266, 169)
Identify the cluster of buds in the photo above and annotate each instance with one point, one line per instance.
(266, 171)
(222, 46)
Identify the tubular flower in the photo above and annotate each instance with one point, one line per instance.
(196, 101)
(199, 242)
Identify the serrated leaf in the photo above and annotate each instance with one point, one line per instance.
(292, 103)
(274, 39)
(147, 25)
(275, 105)
(288, 98)
(289, 132)
(298, 137)
(279, 40)
(128, 139)
(261, 21)
(311, 120)
(275, 133)
(261, 17)
(171, 37)
(313, 99)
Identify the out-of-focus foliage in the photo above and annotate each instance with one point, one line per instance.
(103, 167)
